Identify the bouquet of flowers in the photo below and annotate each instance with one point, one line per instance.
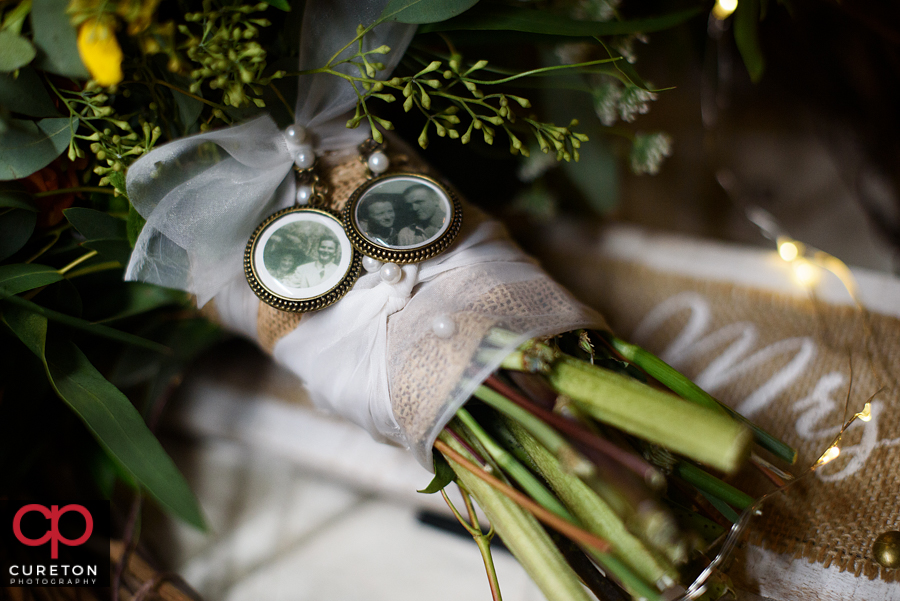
(316, 233)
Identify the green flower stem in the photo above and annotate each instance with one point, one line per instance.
(638, 565)
(577, 432)
(521, 533)
(709, 484)
(516, 470)
(571, 459)
(683, 387)
(681, 426)
(78, 261)
(95, 189)
(541, 71)
(482, 540)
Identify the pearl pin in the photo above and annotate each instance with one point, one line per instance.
(304, 194)
(295, 135)
(304, 157)
(443, 326)
(371, 264)
(391, 273)
(378, 162)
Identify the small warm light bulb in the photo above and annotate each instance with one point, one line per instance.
(829, 455)
(805, 272)
(866, 414)
(724, 8)
(788, 250)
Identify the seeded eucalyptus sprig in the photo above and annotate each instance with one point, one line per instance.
(222, 41)
(448, 94)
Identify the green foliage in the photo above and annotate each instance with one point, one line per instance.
(424, 11)
(104, 233)
(16, 226)
(55, 38)
(22, 277)
(222, 42)
(26, 146)
(112, 419)
(25, 94)
(746, 36)
(15, 51)
(443, 475)
(497, 17)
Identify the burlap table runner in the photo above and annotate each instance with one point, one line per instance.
(785, 361)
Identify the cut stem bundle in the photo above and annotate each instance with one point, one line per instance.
(562, 446)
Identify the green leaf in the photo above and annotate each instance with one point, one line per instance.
(279, 4)
(109, 415)
(21, 277)
(26, 147)
(26, 94)
(443, 475)
(16, 227)
(104, 233)
(15, 51)
(17, 199)
(56, 39)
(746, 35)
(424, 11)
(30, 328)
(134, 298)
(96, 225)
(494, 17)
(80, 324)
(134, 223)
(117, 179)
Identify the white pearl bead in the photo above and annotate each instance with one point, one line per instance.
(295, 135)
(371, 264)
(378, 162)
(305, 157)
(391, 273)
(443, 326)
(304, 194)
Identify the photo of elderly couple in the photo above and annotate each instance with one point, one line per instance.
(302, 254)
(403, 213)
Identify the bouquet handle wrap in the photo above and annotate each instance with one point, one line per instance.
(373, 357)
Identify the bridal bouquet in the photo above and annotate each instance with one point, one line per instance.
(309, 228)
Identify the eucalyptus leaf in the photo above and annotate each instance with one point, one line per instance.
(109, 415)
(16, 226)
(424, 11)
(104, 233)
(15, 51)
(443, 475)
(494, 17)
(80, 324)
(134, 224)
(17, 199)
(135, 298)
(56, 39)
(279, 4)
(189, 108)
(26, 94)
(96, 225)
(746, 36)
(26, 146)
(21, 277)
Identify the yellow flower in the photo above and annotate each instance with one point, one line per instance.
(100, 52)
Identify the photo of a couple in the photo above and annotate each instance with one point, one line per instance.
(302, 255)
(402, 214)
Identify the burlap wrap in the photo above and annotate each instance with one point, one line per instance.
(785, 362)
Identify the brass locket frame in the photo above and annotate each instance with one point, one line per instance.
(300, 305)
(387, 254)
